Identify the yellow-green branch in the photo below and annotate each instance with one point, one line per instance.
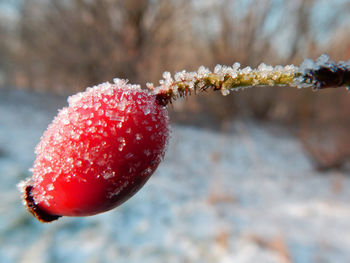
(319, 74)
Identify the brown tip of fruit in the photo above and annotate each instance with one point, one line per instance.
(34, 209)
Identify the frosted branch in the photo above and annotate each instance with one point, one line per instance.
(319, 74)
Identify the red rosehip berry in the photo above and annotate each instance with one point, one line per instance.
(97, 152)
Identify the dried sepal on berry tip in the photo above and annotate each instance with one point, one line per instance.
(34, 209)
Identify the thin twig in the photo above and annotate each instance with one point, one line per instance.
(319, 74)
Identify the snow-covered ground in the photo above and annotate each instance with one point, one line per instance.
(249, 195)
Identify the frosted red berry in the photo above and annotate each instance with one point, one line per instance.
(97, 152)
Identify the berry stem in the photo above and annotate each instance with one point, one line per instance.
(319, 74)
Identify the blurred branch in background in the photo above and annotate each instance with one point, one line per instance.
(72, 44)
(7, 45)
(64, 46)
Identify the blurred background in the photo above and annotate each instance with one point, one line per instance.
(261, 175)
